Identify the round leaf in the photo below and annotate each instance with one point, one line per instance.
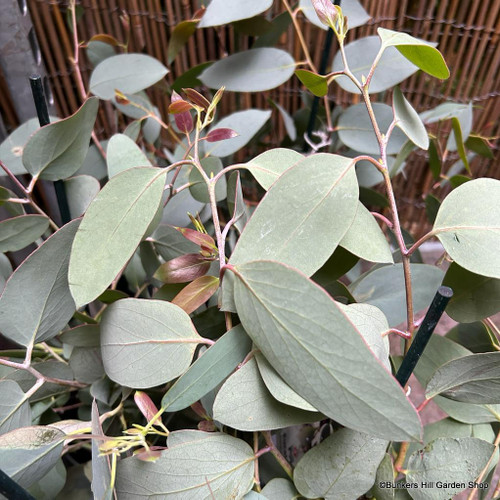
(221, 12)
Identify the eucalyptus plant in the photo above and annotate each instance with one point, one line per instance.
(189, 331)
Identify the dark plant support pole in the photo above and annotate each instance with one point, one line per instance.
(436, 310)
(43, 117)
(11, 490)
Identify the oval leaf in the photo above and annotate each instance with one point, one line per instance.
(221, 12)
(19, 232)
(253, 70)
(298, 326)
(220, 134)
(80, 191)
(123, 153)
(196, 293)
(112, 229)
(128, 73)
(317, 84)
(15, 409)
(183, 269)
(146, 342)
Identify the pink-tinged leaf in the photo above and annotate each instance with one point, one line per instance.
(196, 293)
(146, 405)
(325, 11)
(196, 98)
(207, 426)
(201, 239)
(151, 455)
(220, 134)
(183, 269)
(199, 410)
(183, 120)
(180, 106)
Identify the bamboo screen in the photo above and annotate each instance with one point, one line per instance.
(467, 33)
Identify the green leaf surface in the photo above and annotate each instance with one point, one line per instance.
(365, 239)
(280, 489)
(179, 37)
(421, 53)
(128, 73)
(12, 208)
(468, 220)
(471, 379)
(36, 304)
(97, 51)
(479, 145)
(170, 243)
(112, 229)
(146, 342)
(385, 473)
(220, 12)
(86, 363)
(80, 191)
(356, 131)
(309, 333)
(408, 120)
(475, 297)
(316, 84)
(279, 25)
(245, 123)
(208, 371)
(253, 70)
(459, 142)
(448, 460)
(94, 164)
(123, 153)
(288, 122)
(5, 270)
(51, 484)
(101, 466)
(15, 409)
(473, 336)
(304, 197)
(342, 467)
(391, 69)
(58, 150)
(268, 166)
(199, 189)
(244, 403)
(352, 9)
(384, 287)
(189, 470)
(189, 79)
(81, 336)
(29, 453)
(432, 205)
(18, 232)
(434, 160)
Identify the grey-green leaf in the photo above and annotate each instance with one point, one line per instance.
(468, 220)
(199, 189)
(128, 73)
(221, 12)
(235, 201)
(101, 467)
(15, 409)
(122, 154)
(342, 467)
(18, 232)
(28, 453)
(146, 343)
(289, 223)
(365, 239)
(384, 287)
(471, 379)
(356, 131)
(188, 470)
(455, 461)
(112, 229)
(408, 120)
(268, 166)
(58, 150)
(209, 370)
(244, 403)
(253, 70)
(36, 303)
(280, 489)
(301, 330)
(80, 191)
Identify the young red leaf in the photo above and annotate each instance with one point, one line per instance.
(196, 98)
(183, 120)
(325, 11)
(202, 239)
(180, 106)
(145, 404)
(220, 134)
(183, 269)
(196, 293)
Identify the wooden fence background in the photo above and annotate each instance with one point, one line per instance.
(467, 32)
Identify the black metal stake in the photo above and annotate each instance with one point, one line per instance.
(43, 118)
(436, 310)
(11, 490)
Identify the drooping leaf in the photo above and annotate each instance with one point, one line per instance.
(146, 342)
(289, 223)
(112, 229)
(477, 144)
(288, 122)
(365, 238)
(310, 332)
(471, 379)
(432, 205)
(434, 159)
(101, 466)
(474, 296)
(189, 468)
(128, 73)
(36, 303)
(235, 201)
(452, 461)
(179, 37)
(342, 467)
(18, 232)
(317, 84)
(356, 14)
(58, 150)
(219, 12)
(252, 70)
(15, 409)
(209, 370)
(421, 53)
(356, 131)
(80, 191)
(28, 453)
(468, 219)
(408, 120)
(245, 123)
(196, 293)
(123, 153)
(180, 110)
(199, 190)
(268, 166)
